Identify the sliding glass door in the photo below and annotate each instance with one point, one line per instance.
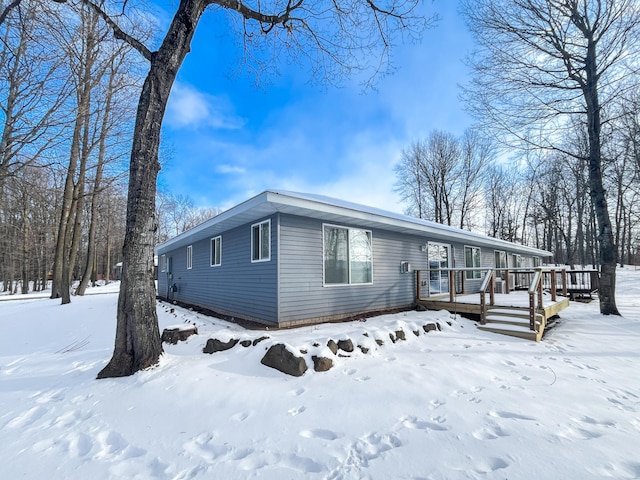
(439, 260)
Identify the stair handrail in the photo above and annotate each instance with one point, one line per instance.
(535, 288)
(487, 283)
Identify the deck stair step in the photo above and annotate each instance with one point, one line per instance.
(520, 331)
(512, 321)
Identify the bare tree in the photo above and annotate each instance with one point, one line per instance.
(32, 90)
(541, 62)
(442, 177)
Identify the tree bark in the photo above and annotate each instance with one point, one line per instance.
(607, 289)
(137, 343)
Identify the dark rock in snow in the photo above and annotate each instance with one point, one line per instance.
(258, 340)
(333, 346)
(400, 335)
(245, 343)
(429, 327)
(321, 364)
(345, 345)
(175, 335)
(214, 345)
(282, 359)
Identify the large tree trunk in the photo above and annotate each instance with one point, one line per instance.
(137, 344)
(606, 292)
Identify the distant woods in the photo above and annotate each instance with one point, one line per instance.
(537, 198)
(67, 103)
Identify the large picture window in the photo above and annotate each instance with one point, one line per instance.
(472, 260)
(261, 241)
(216, 251)
(347, 256)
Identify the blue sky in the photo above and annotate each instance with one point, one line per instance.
(230, 139)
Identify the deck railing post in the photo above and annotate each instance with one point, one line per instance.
(532, 311)
(506, 279)
(554, 284)
(563, 277)
(492, 289)
(483, 309)
(452, 286)
(539, 290)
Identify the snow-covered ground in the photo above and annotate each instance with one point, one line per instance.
(455, 404)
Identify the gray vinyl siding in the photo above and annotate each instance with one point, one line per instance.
(238, 287)
(302, 292)
(289, 289)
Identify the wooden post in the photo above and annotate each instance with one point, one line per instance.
(418, 293)
(532, 311)
(539, 290)
(563, 277)
(492, 289)
(483, 309)
(506, 279)
(452, 286)
(554, 284)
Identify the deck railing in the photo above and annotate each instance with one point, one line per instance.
(537, 280)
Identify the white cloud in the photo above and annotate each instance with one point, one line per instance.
(190, 108)
(231, 169)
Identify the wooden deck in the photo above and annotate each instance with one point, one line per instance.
(509, 315)
(532, 296)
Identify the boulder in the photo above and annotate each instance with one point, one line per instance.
(345, 345)
(429, 327)
(400, 335)
(178, 334)
(333, 346)
(258, 340)
(282, 359)
(245, 343)
(214, 345)
(321, 364)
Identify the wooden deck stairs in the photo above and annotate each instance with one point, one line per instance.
(524, 314)
(513, 321)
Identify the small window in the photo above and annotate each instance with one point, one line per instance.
(261, 241)
(163, 263)
(216, 251)
(189, 257)
(472, 260)
(537, 262)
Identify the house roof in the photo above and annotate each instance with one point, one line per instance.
(332, 210)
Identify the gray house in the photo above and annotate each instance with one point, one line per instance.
(284, 258)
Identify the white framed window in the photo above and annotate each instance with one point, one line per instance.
(537, 261)
(472, 260)
(517, 260)
(189, 257)
(216, 251)
(261, 241)
(163, 263)
(348, 255)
